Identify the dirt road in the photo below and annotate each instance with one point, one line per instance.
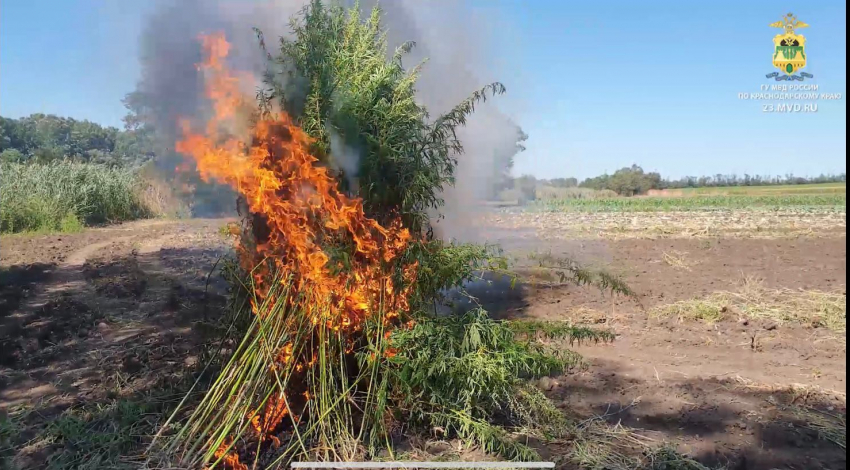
(104, 314)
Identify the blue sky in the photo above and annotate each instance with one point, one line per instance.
(596, 85)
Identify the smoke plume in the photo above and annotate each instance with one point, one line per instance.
(452, 36)
(455, 40)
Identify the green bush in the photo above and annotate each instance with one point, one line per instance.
(64, 196)
(463, 373)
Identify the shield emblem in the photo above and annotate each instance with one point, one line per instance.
(789, 52)
(789, 48)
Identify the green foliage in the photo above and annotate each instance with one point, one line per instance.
(443, 266)
(361, 106)
(12, 156)
(10, 429)
(567, 270)
(629, 181)
(462, 373)
(70, 224)
(45, 138)
(727, 181)
(559, 330)
(64, 196)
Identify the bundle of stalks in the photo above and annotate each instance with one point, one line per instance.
(325, 289)
(338, 353)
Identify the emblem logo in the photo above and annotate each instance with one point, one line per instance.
(789, 50)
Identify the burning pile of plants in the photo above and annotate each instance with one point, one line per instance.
(341, 350)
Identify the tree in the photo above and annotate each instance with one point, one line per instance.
(45, 137)
(628, 181)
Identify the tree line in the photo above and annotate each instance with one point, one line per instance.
(633, 181)
(42, 138)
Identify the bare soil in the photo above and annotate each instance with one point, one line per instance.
(123, 310)
(105, 314)
(727, 394)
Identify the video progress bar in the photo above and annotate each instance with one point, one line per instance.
(409, 464)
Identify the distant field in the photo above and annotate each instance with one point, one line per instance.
(835, 202)
(793, 189)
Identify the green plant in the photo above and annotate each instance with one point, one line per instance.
(334, 76)
(568, 271)
(100, 437)
(70, 224)
(835, 202)
(63, 195)
(338, 352)
(9, 428)
(461, 373)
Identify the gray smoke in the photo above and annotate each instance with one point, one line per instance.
(450, 34)
(455, 40)
(170, 87)
(345, 158)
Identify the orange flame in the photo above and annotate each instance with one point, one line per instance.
(298, 200)
(303, 209)
(265, 423)
(229, 459)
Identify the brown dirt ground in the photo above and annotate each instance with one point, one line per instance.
(702, 387)
(105, 314)
(120, 310)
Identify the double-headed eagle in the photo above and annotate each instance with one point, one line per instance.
(789, 22)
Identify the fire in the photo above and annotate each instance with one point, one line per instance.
(300, 205)
(276, 409)
(229, 459)
(299, 202)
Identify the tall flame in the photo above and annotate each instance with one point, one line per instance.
(298, 201)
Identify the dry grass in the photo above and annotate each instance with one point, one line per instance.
(747, 224)
(830, 427)
(677, 260)
(599, 445)
(755, 301)
(794, 403)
